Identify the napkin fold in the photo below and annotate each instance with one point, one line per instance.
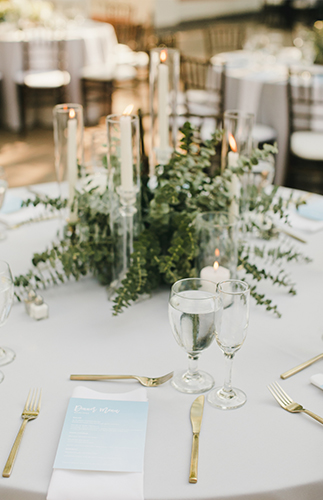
(97, 485)
(317, 380)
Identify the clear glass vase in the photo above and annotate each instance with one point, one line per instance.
(123, 160)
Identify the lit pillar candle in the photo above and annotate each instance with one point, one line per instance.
(163, 123)
(71, 158)
(216, 275)
(233, 157)
(126, 150)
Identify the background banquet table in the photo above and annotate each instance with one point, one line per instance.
(258, 451)
(85, 44)
(256, 82)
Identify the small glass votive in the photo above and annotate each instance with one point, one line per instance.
(217, 239)
(68, 142)
(123, 160)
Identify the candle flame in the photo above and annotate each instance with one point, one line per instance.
(128, 110)
(163, 56)
(71, 113)
(233, 143)
(216, 265)
(217, 252)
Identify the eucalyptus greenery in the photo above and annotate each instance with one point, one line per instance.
(165, 250)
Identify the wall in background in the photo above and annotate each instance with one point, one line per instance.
(172, 12)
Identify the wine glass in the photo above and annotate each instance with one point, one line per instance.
(230, 333)
(6, 299)
(193, 305)
(3, 190)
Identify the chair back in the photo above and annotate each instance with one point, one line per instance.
(305, 99)
(224, 37)
(199, 74)
(43, 51)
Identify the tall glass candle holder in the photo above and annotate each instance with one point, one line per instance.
(163, 85)
(236, 142)
(68, 142)
(217, 239)
(124, 186)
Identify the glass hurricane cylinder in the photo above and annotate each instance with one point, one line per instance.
(68, 142)
(163, 86)
(236, 143)
(123, 158)
(217, 239)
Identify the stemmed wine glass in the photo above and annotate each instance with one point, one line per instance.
(193, 306)
(230, 333)
(6, 299)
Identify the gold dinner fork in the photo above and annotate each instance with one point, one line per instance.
(288, 404)
(30, 412)
(146, 381)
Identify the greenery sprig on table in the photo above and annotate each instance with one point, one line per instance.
(165, 251)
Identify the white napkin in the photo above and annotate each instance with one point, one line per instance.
(317, 380)
(97, 485)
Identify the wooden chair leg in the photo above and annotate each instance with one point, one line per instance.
(22, 110)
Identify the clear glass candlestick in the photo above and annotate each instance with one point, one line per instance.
(68, 142)
(236, 143)
(163, 87)
(124, 187)
(230, 333)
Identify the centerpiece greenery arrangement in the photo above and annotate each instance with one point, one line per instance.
(165, 251)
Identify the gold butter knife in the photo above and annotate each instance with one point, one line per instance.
(196, 420)
(300, 367)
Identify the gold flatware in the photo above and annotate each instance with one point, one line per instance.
(288, 404)
(30, 412)
(196, 421)
(300, 367)
(146, 381)
(290, 234)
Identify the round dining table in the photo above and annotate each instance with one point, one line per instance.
(256, 82)
(258, 451)
(85, 43)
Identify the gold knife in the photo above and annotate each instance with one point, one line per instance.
(196, 420)
(300, 367)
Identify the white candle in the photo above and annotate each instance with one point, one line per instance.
(163, 124)
(234, 189)
(72, 158)
(126, 153)
(215, 275)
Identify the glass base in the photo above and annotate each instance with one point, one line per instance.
(227, 401)
(1, 377)
(7, 355)
(185, 382)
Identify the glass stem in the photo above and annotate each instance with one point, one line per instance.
(227, 386)
(192, 365)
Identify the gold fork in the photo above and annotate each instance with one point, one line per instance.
(30, 412)
(288, 404)
(146, 381)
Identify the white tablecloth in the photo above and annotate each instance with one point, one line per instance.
(257, 84)
(84, 44)
(258, 451)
